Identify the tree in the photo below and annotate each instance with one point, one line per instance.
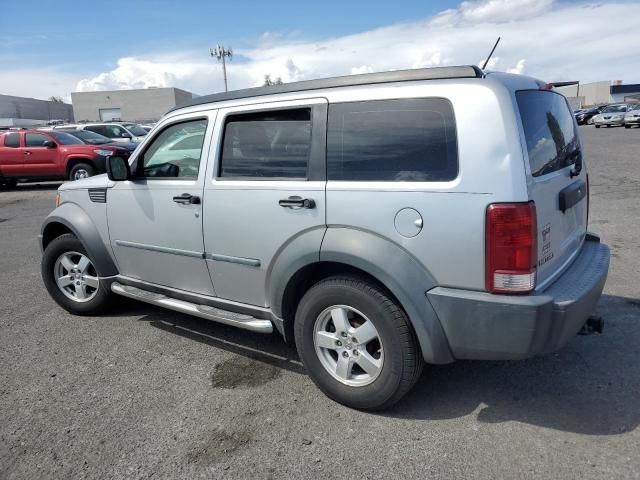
(268, 82)
(54, 99)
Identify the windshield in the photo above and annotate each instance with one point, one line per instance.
(615, 108)
(90, 137)
(135, 129)
(635, 107)
(66, 139)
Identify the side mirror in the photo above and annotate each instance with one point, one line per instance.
(118, 169)
(49, 144)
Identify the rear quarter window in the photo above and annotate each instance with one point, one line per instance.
(549, 129)
(410, 140)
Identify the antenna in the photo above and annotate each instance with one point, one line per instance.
(490, 54)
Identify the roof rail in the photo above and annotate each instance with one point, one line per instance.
(435, 73)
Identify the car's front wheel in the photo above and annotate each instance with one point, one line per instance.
(356, 343)
(81, 170)
(71, 278)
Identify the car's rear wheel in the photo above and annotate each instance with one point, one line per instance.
(81, 170)
(356, 343)
(597, 126)
(71, 277)
(8, 183)
(627, 126)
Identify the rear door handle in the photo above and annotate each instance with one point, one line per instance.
(297, 202)
(27, 153)
(187, 199)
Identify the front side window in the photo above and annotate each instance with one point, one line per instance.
(136, 129)
(550, 133)
(12, 140)
(36, 140)
(267, 145)
(163, 160)
(392, 140)
(64, 138)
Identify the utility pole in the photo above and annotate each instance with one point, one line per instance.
(220, 53)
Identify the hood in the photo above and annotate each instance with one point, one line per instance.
(97, 181)
(131, 146)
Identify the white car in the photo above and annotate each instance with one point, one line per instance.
(632, 117)
(611, 115)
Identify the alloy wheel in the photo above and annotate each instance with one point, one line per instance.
(76, 276)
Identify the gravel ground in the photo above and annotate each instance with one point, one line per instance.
(146, 392)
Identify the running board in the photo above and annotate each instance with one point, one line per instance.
(246, 322)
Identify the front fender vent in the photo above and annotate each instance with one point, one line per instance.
(98, 195)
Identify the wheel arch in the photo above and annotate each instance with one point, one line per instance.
(363, 254)
(75, 160)
(70, 218)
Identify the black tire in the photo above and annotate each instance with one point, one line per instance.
(597, 126)
(56, 248)
(627, 126)
(403, 361)
(83, 169)
(8, 183)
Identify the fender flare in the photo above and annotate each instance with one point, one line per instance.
(401, 273)
(80, 224)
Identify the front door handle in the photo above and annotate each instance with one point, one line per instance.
(27, 153)
(187, 199)
(297, 202)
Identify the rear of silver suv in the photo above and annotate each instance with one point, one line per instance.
(380, 221)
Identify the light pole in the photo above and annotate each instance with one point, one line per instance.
(219, 52)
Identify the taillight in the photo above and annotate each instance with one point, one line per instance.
(511, 248)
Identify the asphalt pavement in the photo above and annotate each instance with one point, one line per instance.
(149, 393)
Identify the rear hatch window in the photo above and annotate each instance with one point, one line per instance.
(553, 147)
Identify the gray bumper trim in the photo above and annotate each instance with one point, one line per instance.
(483, 326)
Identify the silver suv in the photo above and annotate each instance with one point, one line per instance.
(379, 221)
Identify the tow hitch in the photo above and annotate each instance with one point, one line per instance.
(594, 324)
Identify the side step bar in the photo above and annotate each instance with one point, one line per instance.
(239, 320)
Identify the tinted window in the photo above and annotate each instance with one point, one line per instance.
(267, 145)
(392, 140)
(111, 131)
(12, 140)
(161, 160)
(90, 137)
(36, 140)
(136, 130)
(66, 139)
(549, 129)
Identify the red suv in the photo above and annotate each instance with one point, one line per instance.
(37, 154)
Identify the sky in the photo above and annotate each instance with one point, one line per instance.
(55, 47)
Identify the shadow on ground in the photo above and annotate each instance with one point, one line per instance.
(592, 386)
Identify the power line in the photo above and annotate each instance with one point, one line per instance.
(220, 53)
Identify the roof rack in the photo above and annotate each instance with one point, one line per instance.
(435, 73)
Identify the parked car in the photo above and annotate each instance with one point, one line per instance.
(92, 138)
(632, 117)
(114, 131)
(611, 115)
(319, 211)
(36, 154)
(585, 116)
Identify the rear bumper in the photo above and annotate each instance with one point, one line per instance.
(483, 326)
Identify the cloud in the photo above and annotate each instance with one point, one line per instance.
(542, 38)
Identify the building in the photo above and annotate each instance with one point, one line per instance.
(600, 93)
(142, 105)
(27, 112)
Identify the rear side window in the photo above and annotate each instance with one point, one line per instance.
(392, 140)
(267, 145)
(12, 140)
(549, 130)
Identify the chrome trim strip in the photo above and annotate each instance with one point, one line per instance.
(252, 262)
(155, 248)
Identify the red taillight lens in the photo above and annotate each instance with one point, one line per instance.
(511, 249)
